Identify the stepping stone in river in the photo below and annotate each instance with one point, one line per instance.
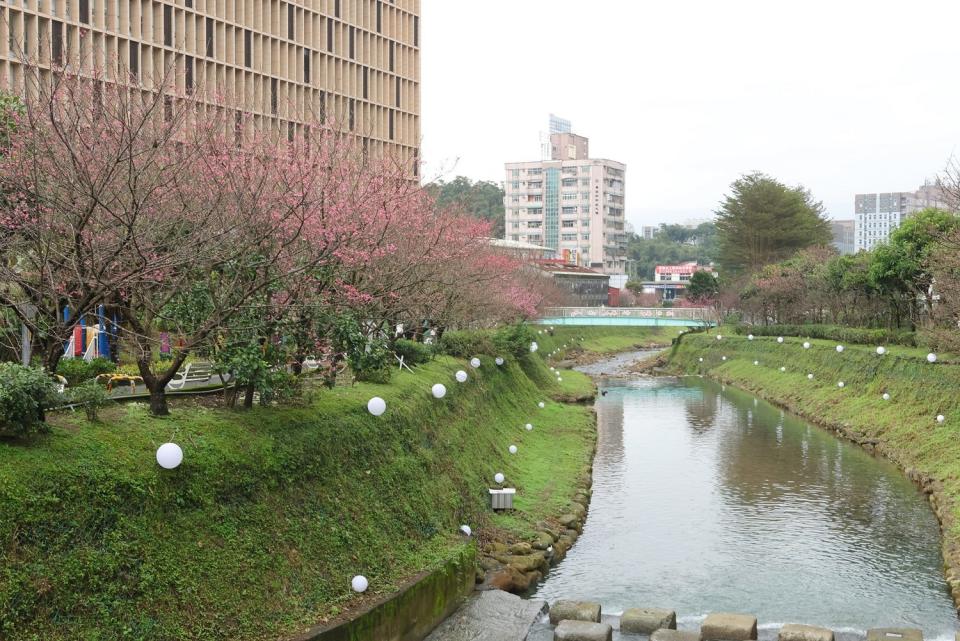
(798, 632)
(647, 620)
(570, 630)
(894, 634)
(724, 626)
(575, 611)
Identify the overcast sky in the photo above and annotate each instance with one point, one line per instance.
(843, 96)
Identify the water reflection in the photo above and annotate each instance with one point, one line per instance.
(707, 500)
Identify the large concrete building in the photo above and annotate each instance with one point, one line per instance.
(281, 62)
(844, 235)
(877, 215)
(570, 203)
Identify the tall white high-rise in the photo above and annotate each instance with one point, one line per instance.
(878, 215)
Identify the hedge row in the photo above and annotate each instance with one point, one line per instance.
(835, 333)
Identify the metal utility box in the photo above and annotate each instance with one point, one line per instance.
(502, 499)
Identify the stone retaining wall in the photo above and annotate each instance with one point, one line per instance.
(412, 613)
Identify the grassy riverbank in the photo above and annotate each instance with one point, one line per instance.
(903, 428)
(257, 534)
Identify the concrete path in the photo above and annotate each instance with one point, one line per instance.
(491, 615)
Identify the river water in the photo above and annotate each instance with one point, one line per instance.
(707, 499)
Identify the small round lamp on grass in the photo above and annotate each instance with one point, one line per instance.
(474, 363)
(719, 337)
(534, 347)
(541, 404)
(841, 384)
(529, 427)
(839, 348)
(806, 345)
(359, 583)
(756, 362)
(439, 390)
(723, 358)
(376, 406)
(750, 337)
(461, 376)
(881, 350)
(498, 361)
(701, 359)
(498, 478)
(466, 530)
(886, 396)
(779, 339)
(941, 418)
(169, 456)
(931, 358)
(559, 380)
(512, 449)
(809, 377)
(783, 369)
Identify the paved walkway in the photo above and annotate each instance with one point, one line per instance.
(491, 615)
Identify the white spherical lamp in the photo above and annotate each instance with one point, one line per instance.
(169, 456)
(806, 345)
(534, 347)
(719, 337)
(376, 406)
(779, 339)
(474, 363)
(439, 390)
(810, 377)
(466, 530)
(461, 376)
(756, 362)
(941, 418)
(528, 427)
(559, 380)
(359, 583)
(750, 337)
(881, 350)
(498, 478)
(783, 369)
(931, 357)
(841, 384)
(886, 396)
(512, 449)
(701, 359)
(498, 361)
(541, 404)
(723, 358)
(839, 348)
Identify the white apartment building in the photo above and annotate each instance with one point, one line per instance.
(571, 204)
(877, 215)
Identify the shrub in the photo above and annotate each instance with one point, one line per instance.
(25, 393)
(467, 343)
(834, 333)
(368, 356)
(91, 395)
(514, 339)
(77, 370)
(280, 386)
(413, 352)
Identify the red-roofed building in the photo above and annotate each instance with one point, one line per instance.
(670, 281)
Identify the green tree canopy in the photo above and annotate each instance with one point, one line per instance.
(481, 199)
(763, 221)
(703, 287)
(902, 265)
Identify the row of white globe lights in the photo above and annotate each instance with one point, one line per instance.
(170, 455)
(881, 350)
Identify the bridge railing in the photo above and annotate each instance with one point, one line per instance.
(701, 314)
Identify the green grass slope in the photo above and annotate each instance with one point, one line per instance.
(903, 428)
(257, 534)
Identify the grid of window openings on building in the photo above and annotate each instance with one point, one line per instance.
(573, 206)
(282, 62)
(876, 216)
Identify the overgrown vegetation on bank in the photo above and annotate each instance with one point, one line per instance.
(904, 428)
(259, 531)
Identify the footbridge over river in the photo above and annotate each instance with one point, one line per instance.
(630, 316)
